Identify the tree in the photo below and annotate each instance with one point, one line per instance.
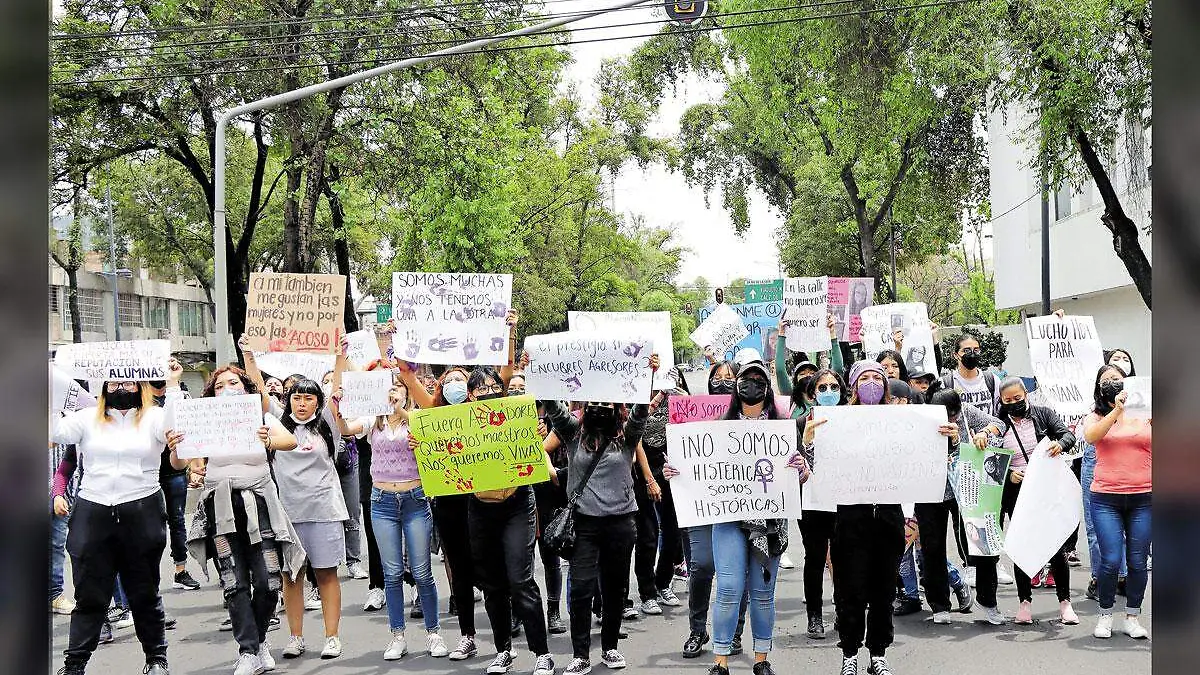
(940, 283)
(68, 254)
(993, 348)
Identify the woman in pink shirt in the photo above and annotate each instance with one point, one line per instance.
(1121, 489)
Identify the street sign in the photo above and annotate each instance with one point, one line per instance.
(383, 312)
(764, 290)
(684, 13)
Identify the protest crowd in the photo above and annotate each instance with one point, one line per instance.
(435, 435)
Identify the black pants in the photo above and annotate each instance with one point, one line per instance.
(364, 497)
(603, 551)
(549, 497)
(670, 553)
(502, 539)
(450, 517)
(816, 531)
(1058, 562)
(645, 548)
(932, 522)
(868, 543)
(126, 539)
(250, 600)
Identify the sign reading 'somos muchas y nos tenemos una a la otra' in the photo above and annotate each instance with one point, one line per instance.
(733, 470)
(451, 318)
(601, 366)
(365, 393)
(288, 312)
(805, 313)
(473, 447)
(217, 426)
(657, 325)
(126, 360)
(1065, 355)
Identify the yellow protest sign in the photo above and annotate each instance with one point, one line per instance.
(473, 447)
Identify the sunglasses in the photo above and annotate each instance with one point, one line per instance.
(828, 387)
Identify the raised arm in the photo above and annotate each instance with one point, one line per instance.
(253, 372)
(563, 424)
(782, 377)
(506, 371)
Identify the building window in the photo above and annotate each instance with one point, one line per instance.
(54, 306)
(157, 315)
(192, 318)
(1062, 203)
(91, 310)
(130, 311)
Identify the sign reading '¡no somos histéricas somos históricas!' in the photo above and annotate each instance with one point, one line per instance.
(451, 318)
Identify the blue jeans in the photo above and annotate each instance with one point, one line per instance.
(700, 581)
(58, 553)
(1087, 470)
(736, 573)
(909, 562)
(175, 491)
(403, 519)
(1122, 525)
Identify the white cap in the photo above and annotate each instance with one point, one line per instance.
(749, 358)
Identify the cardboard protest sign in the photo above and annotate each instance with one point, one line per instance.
(127, 360)
(722, 329)
(65, 393)
(878, 454)
(848, 296)
(1047, 511)
(707, 407)
(735, 470)
(805, 310)
(472, 447)
(451, 318)
(605, 366)
(365, 394)
(657, 325)
(283, 364)
(1065, 355)
(363, 348)
(288, 312)
(218, 426)
(879, 322)
(978, 478)
(1137, 402)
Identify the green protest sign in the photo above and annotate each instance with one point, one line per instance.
(473, 447)
(979, 477)
(764, 290)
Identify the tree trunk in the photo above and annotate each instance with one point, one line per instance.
(341, 251)
(292, 261)
(73, 304)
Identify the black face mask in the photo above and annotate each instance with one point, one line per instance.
(721, 386)
(1110, 388)
(752, 391)
(157, 384)
(600, 419)
(970, 361)
(488, 397)
(1017, 409)
(123, 400)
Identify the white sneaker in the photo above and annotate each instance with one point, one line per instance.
(544, 665)
(264, 655)
(995, 616)
(295, 647)
(501, 664)
(578, 666)
(437, 646)
(313, 599)
(1103, 627)
(613, 659)
(1003, 576)
(1134, 629)
(651, 607)
(333, 647)
(356, 571)
(376, 600)
(478, 595)
(785, 562)
(248, 664)
(941, 618)
(466, 649)
(397, 648)
(62, 604)
(667, 597)
(628, 614)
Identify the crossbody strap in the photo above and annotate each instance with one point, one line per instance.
(1017, 435)
(586, 475)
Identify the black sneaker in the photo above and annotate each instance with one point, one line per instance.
(185, 581)
(879, 666)
(816, 627)
(554, 623)
(106, 634)
(906, 606)
(718, 669)
(156, 668)
(694, 646)
(965, 602)
(763, 668)
(417, 612)
(736, 647)
(169, 621)
(1121, 586)
(1093, 593)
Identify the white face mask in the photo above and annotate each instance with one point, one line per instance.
(1123, 365)
(231, 391)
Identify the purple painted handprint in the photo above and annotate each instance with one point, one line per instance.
(633, 349)
(499, 310)
(573, 384)
(470, 349)
(497, 344)
(414, 347)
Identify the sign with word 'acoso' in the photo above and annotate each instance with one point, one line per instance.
(474, 447)
(295, 312)
(451, 318)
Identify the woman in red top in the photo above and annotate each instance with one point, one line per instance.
(1120, 499)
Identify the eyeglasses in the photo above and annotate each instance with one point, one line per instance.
(828, 387)
(485, 390)
(970, 351)
(127, 386)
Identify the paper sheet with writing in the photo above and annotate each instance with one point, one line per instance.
(1047, 511)
(219, 426)
(878, 454)
(879, 322)
(657, 325)
(283, 364)
(805, 310)
(472, 447)
(125, 360)
(363, 348)
(605, 366)
(365, 394)
(735, 470)
(65, 392)
(1065, 355)
(707, 407)
(1138, 398)
(451, 318)
(978, 478)
(288, 312)
(722, 329)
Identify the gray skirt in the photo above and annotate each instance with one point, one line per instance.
(325, 543)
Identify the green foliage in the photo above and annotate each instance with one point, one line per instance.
(993, 348)
(979, 303)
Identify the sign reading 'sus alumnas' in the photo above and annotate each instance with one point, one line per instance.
(126, 360)
(451, 318)
(1065, 355)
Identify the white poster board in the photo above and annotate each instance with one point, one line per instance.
(721, 330)
(605, 366)
(365, 393)
(878, 454)
(219, 426)
(1065, 355)
(123, 361)
(805, 310)
(1047, 511)
(733, 470)
(451, 318)
(1137, 402)
(66, 393)
(879, 322)
(362, 347)
(655, 324)
(283, 364)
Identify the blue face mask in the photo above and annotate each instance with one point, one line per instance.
(829, 397)
(454, 391)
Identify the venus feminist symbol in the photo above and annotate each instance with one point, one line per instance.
(764, 472)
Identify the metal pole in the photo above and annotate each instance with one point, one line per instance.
(224, 346)
(112, 264)
(1045, 246)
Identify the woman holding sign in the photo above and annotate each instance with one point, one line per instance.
(119, 523)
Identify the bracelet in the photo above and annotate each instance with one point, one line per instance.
(268, 443)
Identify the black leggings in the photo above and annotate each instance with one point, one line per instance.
(816, 531)
(450, 517)
(373, 561)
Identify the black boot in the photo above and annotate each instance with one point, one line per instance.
(816, 627)
(554, 622)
